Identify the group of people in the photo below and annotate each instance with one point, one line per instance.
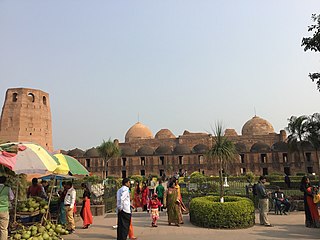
(67, 206)
(152, 202)
(311, 196)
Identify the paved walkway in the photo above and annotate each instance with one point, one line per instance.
(285, 227)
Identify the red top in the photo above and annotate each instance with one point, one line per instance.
(154, 203)
(35, 191)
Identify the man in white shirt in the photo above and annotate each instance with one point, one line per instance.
(124, 210)
(69, 204)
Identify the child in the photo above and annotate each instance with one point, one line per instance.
(154, 205)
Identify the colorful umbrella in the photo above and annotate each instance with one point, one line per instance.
(31, 159)
(69, 164)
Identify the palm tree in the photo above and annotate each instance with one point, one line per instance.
(297, 128)
(224, 151)
(313, 134)
(108, 150)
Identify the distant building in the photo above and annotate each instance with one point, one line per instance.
(261, 151)
(26, 117)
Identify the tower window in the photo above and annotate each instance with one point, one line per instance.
(31, 97)
(263, 158)
(44, 100)
(14, 97)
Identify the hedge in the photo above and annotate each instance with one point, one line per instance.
(235, 212)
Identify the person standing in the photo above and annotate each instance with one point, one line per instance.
(263, 201)
(144, 197)
(69, 204)
(160, 192)
(6, 195)
(305, 187)
(62, 211)
(137, 196)
(287, 180)
(85, 212)
(171, 201)
(123, 209)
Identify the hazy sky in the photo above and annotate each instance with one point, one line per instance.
(177, 64)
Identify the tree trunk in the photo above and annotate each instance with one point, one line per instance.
(317, 156)
(221, 181)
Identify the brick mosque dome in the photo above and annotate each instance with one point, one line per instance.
(138, 131)
(230, 132)
(260, 147)
(144, 151)
(127, 151)
(164, 133)
(181, 149)
(200, 148)
(257, 126)
(241, 147)
(92, 152)
(76, 152)
(163, 150)
(280, 147)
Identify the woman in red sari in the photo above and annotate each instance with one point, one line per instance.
(313, 206)
(85, 212)
(137, 196)
(145, 197)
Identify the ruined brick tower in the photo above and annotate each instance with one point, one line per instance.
(26, 117)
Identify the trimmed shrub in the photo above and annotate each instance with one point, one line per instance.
(235, 212)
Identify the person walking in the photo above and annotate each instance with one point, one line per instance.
(263, 197)
(85, 212)
(154, 204)
(69, 204)
(6, 195)
(160, 192)
(171, 201)
(123, 209)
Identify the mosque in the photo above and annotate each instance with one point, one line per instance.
(261, 151)
(26, 116)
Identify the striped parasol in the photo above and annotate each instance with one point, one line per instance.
(69, 164)
(30, 159)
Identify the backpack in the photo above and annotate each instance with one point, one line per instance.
(254, 189)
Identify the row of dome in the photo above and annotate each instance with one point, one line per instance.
(255, 126)
(182, 149)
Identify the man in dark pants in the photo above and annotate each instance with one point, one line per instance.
(124, 210)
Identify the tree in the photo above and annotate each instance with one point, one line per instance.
(313, 44)
(297, 128)
(313, 134)
(107, 151)
(224, 151)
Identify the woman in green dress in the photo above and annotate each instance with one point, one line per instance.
(172, 203)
